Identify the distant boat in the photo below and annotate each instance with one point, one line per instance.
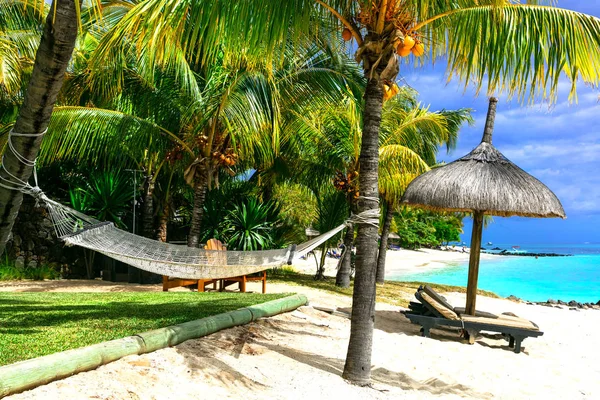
(489, 243)
(517, 249)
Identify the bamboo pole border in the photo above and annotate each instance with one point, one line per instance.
(28, 374)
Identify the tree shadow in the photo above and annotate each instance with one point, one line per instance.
(261, 334)
(201, 357)
(378, 375)
(79, 285)
(12, 301)
(23, 314)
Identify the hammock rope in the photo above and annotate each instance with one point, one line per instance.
(76, 228)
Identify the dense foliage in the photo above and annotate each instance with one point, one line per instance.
(420, 228)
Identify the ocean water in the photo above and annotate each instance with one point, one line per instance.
(559, 278)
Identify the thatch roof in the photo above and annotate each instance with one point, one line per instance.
(484, 180)
(393, 235)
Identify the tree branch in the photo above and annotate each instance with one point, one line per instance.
(381, 17)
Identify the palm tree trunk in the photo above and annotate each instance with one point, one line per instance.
(321, 266)
(147, 229)
(383, 244)
(51, 61)
(163, 222)
(358, 360)
(197, 211)
(148, 208)
(342, 278)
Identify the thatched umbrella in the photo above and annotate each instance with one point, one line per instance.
(483, 182)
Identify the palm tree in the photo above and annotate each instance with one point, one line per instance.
(325, 143)
(406, 123)
(147, 119)
(506, 42)
(20, 31)
(52, 58)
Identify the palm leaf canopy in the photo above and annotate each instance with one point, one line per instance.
(20, 32)
(93, 136)
(484, 180)
(519, 48)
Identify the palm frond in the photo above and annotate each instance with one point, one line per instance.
(520, 49)
(89, 135)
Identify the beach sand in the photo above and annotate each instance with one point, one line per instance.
(399, 261)
(301, 355)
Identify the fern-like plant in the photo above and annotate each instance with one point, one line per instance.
(249, 226)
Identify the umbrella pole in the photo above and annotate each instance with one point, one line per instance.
(474, 262)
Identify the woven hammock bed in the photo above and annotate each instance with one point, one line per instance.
(177, 261)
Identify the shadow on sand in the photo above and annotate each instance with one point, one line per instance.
(203, 355)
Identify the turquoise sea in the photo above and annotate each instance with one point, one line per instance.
(559, 278)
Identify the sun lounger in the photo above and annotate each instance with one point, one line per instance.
(419, 308)
(437, 312)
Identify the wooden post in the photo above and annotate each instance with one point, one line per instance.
(474, 262)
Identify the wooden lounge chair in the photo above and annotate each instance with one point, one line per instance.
(214, 244)
(440, 313)
(419, 308)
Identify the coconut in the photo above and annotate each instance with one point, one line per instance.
(409, 42)
(403, 51)
(346, 34)
(418, 50)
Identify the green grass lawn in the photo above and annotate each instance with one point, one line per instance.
(36, 324)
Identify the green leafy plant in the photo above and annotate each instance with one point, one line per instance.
(282, 272)
(217, 206)
(249, 226)
(41, 273)
(106, 196)
(11, 273)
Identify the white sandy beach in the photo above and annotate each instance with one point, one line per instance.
(399, 261)
(301, 355)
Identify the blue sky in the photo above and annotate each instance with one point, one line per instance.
(558, 144)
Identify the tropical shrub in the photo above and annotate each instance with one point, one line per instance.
(419, 228)
(332, 211)
(298, 210)
(105, 196)
(217, 206)
(250, 225)
(9, 272)
(41, 273)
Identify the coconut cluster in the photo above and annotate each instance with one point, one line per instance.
(227, 158)
(390, 91)
(175, 154)
(347, 183)
(410, 45)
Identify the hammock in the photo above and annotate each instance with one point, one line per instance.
(176, 261)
